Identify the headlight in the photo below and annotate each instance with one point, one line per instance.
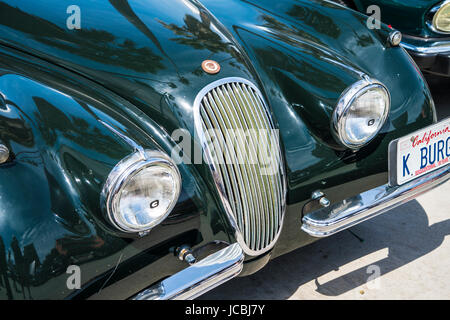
(441, 20)
(141, 191)
(360, 113)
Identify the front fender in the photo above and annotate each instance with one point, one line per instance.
(61, 155)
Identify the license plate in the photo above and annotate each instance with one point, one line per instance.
(419, 153)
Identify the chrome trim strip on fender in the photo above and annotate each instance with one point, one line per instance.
(199, 278)
(350, 212)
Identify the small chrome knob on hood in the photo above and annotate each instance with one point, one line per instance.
(395, 38)
(4, 154)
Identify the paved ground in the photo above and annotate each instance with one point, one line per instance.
(409, 246)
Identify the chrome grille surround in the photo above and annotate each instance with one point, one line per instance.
(254, 202)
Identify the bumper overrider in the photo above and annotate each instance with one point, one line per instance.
(432, 55)
(227, 263)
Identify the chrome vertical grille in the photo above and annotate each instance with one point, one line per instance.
(236, 132)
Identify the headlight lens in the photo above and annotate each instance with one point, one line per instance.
(441, 20)
(361, 112)
(141, 191)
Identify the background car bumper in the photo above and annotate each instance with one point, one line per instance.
(431, 55)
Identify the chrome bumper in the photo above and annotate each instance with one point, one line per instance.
(435, 48)
(347, 213)
(199, 278)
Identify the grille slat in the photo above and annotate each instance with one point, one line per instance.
(257, 103)
(227, 171)
(256, 192)
(261, 183)
(226, 119)
(231, 113)
(276, 183)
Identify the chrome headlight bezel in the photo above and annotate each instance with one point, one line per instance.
(122, 173)
(346, 100)
(433, 14)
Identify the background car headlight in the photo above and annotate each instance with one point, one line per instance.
(141, 191)
(441, 20)
(360, 113)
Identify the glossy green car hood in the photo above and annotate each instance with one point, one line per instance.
(150, 52)
(144, 50)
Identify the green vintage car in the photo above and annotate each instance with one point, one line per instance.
(156, 149)
(425, 25)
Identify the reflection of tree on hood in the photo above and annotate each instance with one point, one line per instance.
(98, 45)
(285, 30)
(198, 34)
(21, 267)
(124, 8)
(4, 281)
(320, 22)
(18, 258)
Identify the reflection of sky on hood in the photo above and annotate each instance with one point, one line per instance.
(37, 227)
(43, 236)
